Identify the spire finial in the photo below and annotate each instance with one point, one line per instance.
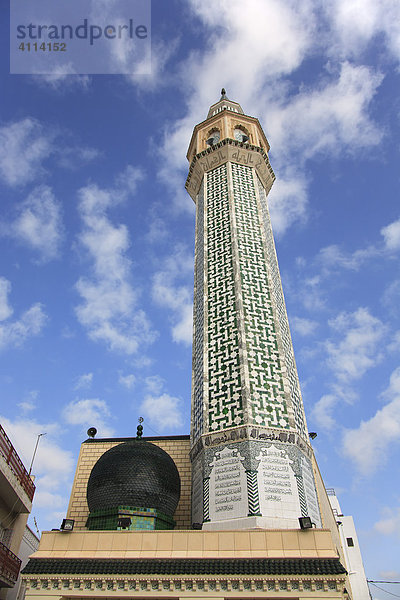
(139, 432)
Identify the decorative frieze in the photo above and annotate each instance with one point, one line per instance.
(128, 586)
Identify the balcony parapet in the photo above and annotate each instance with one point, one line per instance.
(15, 463)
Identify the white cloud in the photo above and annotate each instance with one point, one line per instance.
(15, 333)
(154, 384)
(349, 357)
(24, 146)
(128, 180)
(329, 117)
(304, 326)
(333, 256)
(5, 309)
(164, 411)
(127, 381)
(109, 310)
(73, 157)
(288, 200)
(323, 409)
(313, 297)
(390, 525)
(29, 403)
(368, 445)
(357, 22)
(89, 412)
(357, 348)
(84, 381)
(391, 235)
(63, 77)
(38, 223)
(178, 298)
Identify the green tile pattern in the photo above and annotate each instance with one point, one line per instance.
(279, 300)
(268, 403)
(141, 519)
(225, 407)
(198, 317)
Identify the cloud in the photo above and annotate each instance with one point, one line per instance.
(323, 409)
(52, 466)
(84, 381)
(127, 381)
(109, 310)
(5, 309)
(73, 157)
(27, 144)
(329, 117)
(333, 256)
(391, 524)
(304, 326)
(29, 403)
(15, 333)
(62, 78)
(176, 297)
(332, 115)
(89, 412)
(288, 201)
(160, 408)
(154, 384)
(357, 351)
(163, 410)
(38, 224)
(368, 445)
(391, 235)
(24, 146)
(357, 22)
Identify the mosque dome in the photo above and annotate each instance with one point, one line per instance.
(136, 474)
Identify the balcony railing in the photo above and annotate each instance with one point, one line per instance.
(9, 566)
(15, 464)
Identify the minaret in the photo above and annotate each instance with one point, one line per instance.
(251, 455)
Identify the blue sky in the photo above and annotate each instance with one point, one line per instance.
(97, 238)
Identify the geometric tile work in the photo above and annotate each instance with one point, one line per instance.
(198, 317)
(225, 391)
(268, 403)
(279, 302)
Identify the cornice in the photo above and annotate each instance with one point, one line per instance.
(233, 151)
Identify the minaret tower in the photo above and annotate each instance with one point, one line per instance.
(251, 456)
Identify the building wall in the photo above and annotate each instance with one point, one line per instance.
(29, 545)
(177, 447)
(351, 558)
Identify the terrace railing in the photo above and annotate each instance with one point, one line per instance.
(9, 566)
(16, 464)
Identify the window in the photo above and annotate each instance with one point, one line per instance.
(350, 541)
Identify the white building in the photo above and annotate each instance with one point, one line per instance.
(352, 552)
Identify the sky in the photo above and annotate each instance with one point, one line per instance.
(97, 240)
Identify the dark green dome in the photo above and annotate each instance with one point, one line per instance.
(135, 473)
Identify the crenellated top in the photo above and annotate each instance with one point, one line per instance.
(226, 121)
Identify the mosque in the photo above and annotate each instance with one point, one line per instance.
(238, 509)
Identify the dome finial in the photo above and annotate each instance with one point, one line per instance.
(139, 431)
(223, 94)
